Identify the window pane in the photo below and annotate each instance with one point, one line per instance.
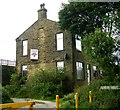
(78, 43)
(25, 47)
(95, 72)
(24, 70)
(94, 68)
(80, 72)
(59, 41)
(60, 65)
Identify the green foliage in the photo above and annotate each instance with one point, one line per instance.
(99, 47)
(43, 85)
(106, 99)
(15, 85)
(5, 96)
(82, 18)
(67, 101)
(7, 71)
(68, 104)
(100, 98)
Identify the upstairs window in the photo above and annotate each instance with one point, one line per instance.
(78, 42)
(59, 38)
(80, 71)
(60, 65)
(25, 47)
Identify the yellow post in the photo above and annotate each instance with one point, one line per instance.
(57, 102)
(76, 100)
(90, 97)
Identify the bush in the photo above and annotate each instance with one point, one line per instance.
(43, 84)
(68, 101)
(15, 85)
(100, 98)
(5, 96)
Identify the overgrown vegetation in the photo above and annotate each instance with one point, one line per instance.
(99, 48)
(7, 71)
(100, 98)
(5, 96)
(83, 19)
(97, 24)
(41, 85)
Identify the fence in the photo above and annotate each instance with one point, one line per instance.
(7, 62)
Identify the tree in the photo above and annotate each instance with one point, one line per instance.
(100, 48)
(82, 18)
(99, 45)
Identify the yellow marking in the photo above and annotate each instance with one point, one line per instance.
(18, 105)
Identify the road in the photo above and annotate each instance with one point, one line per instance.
(39, 104)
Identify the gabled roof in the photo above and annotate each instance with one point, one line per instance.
(31, 27)
(27, 29)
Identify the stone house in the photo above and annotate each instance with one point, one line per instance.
(44, 45)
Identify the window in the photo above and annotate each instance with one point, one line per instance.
(25, 47)
(24, 71)
(88, 73)
(59, 38)
(94, 68)
(80, 72)
(78, 42)
(60, 65)
(95, 72)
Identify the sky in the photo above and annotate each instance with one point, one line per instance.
(16, 16)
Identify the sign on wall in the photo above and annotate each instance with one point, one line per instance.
(34, 54)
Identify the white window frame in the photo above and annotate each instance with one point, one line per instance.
(88, 74)
(94, 68)
(60, 64)
(25, 47)
(24, 69)
(78, 42)
(80, 70)
(59, 41)
(95, 72)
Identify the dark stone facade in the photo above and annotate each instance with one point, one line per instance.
(42, 36)
(7, 71)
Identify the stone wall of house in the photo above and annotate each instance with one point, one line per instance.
(42, 36)
(31, 35)
(48, 51)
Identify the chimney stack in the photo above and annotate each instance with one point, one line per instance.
(42, 12)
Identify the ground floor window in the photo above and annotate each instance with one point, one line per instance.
(60, 64)
(95, 72)
(88, 73)
(24, 71)
(80, 70)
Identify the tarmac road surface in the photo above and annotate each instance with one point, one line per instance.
(39, 104)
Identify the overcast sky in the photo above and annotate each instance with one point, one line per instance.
(16, 16)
